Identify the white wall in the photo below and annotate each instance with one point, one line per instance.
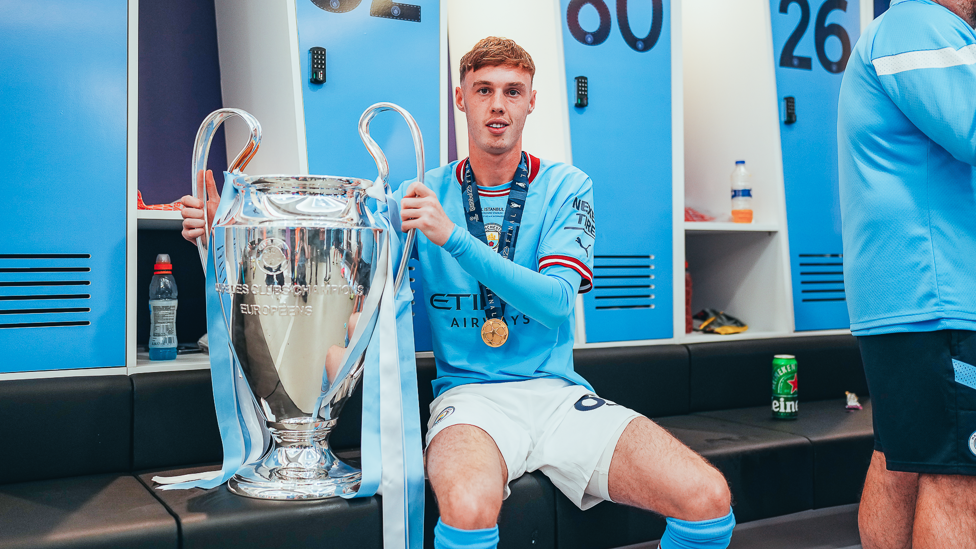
(731, 105)
(536, 27)
(259, 72)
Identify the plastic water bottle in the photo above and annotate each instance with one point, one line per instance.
(741, 193)
(162, 311)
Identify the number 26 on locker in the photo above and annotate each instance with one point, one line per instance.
(597, 37)
(822, 31)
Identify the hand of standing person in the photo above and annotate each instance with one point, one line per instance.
(193, 208)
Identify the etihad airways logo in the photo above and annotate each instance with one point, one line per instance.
(468, 302)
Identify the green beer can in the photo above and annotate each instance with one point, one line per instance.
(786, 402)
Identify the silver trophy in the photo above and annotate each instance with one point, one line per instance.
(300, 255)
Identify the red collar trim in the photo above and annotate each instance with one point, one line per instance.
(534, 165)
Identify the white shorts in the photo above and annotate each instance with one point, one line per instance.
(550, 425)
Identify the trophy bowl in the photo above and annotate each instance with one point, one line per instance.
(299, 258)
(295, 258)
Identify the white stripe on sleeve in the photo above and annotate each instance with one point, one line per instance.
(929, 59)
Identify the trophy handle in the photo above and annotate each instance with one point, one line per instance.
(201, 151)
(383, 167)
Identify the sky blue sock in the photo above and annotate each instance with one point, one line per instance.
(448, 537)
(703, 534)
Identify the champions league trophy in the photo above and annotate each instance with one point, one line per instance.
(295, 260)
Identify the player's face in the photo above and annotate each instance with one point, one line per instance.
(495, 102)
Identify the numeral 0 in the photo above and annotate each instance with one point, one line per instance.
(597, 37)
(821, 32)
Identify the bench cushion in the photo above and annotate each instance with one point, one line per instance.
(843, 442)
(653, 380)
(218, 519)
(737, 374)
(69, 426)
(101, 511)
(174, 422)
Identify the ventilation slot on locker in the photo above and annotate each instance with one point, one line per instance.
(623, 281)
(44, 290)
(822, 277)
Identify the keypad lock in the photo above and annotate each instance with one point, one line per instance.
(316, 64)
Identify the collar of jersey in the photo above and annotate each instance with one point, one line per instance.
(534, 165)
(497, 190)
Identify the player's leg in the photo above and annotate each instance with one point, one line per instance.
(468, 476)
(945, 514)
(887, 508)
(652, 470)
(631, 460)
(923, 393)
(473, 450)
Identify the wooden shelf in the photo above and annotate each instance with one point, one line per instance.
(159, 219)
(190, 361)
(712, 227)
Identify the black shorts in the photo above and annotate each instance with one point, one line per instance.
(923, 393)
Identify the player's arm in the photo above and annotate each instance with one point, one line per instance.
(546, 298)
(936, 87)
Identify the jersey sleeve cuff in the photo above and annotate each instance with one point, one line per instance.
(586, 284)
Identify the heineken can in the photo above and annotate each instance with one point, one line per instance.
(785, 396)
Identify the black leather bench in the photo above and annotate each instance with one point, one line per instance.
(86, 449)
(65, 465)
(717, 401)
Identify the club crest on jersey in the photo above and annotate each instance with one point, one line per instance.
(492, 231)
(444, 413)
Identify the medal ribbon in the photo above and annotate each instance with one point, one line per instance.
(493, 305)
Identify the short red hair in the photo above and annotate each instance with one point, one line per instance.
(495, 52)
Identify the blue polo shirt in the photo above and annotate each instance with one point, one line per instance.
(906, 136)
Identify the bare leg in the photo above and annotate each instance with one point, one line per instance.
(468, 476)
(945, 515)
(652, 470)
(887, 508)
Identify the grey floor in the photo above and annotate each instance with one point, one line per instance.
(833, 528)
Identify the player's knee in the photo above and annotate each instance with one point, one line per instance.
(469, 509)
(710, 498)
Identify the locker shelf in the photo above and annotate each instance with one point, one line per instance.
(697, 337)
(192, 361)
(712, 227)
(157, 219)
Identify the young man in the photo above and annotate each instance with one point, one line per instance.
(506, 244)
(907, 157)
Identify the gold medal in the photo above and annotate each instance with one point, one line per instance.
(494, 332)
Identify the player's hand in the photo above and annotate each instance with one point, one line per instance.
(193, 208)
(420, 209)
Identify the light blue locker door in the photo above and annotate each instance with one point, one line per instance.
(622, 140)
(63, 153)
(376, 50)
(812, 42)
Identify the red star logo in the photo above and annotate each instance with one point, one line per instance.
(793, 383)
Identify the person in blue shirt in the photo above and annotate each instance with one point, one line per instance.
(907, 161)
(505, 244)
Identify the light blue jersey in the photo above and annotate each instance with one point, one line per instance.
(907, 150)
(553, 261)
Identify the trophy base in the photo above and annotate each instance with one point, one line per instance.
(296, 472)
